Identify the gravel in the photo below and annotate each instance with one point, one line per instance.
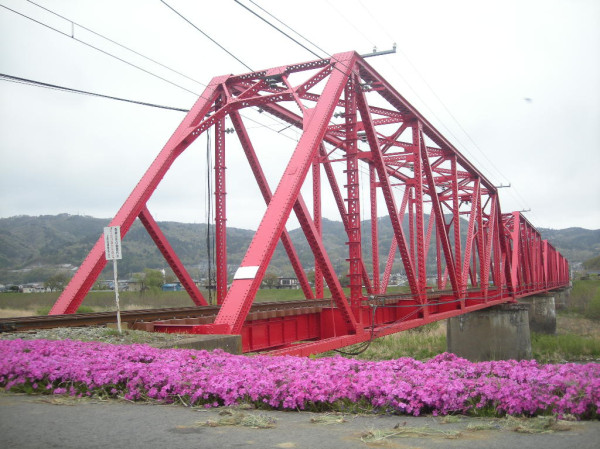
(98, 333)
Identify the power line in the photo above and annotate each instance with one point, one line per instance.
(116, 43)
(290, 28)
(16, 79)
(348, 22)
(102, 51)
(277, 28)
(207, 36)
(67, 89)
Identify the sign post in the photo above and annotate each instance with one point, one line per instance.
(112, 248)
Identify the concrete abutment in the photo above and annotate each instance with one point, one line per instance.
(496, 333)
(542, 313)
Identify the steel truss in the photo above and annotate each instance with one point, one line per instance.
(439, 205)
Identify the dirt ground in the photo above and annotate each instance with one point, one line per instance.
(577, 326)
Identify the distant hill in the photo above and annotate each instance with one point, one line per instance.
(31, 247)
(576, 244)
(592, 264)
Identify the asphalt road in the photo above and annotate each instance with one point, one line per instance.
(58, 422)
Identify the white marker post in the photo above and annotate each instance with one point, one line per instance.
(112, 248)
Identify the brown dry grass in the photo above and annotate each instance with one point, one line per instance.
(12, 313)
(577, 325)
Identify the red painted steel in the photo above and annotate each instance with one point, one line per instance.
(171, 257)
(351, 120)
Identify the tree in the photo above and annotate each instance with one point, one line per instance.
(153, 278)
(170, 278)
(270, 280)
(57, 282)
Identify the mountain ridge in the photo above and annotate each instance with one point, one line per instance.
(30, 243)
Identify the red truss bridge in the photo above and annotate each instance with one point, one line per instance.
(348, 115)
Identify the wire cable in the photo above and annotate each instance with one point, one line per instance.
(67, 89)
(277, 28)
(16, 79)
(101, 51)
(116, 43)
(290, 28)
(207, 36)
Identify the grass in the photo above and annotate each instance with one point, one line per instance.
(380, 435)
(98, 301)
(430, 340)
(557, 348)
(238, 418)
(585, 298)
(327, 419)
(422, 343)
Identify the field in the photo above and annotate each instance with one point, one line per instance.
(577, 338)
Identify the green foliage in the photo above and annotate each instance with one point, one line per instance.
(592, 264)
(46, 310)
(43, 310)
(585, 298)
(270, 280)
(418, 344)
(57, 282)
(153, 278)
(557, 348)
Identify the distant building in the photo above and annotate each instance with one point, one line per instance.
(34, 287)
(174, 287)
(291, 283)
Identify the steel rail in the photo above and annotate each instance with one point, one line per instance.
(131, 316)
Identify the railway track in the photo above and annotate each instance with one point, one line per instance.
(177, 313)
(133, 316)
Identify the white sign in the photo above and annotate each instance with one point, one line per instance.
(112, 242)
(246, 272)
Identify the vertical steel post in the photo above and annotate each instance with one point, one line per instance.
(374, 230)
(353, 195)
(419, 155)
(456, 223)
(316, 177)
(220, 211)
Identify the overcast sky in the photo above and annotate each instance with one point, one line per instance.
(515, 85)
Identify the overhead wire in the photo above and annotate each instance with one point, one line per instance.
(101, 51)
(290, 28)
(67, 89)
(274, 26)
(334, 67)
(19, 80)
(207, 36)
(150, 59)
(117, 43)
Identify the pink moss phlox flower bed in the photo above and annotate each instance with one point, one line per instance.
(445, 384)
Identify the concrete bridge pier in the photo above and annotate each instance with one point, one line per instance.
(561, 298)
(542, 313)
(496, 333)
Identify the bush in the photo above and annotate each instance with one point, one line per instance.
(585, 298)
